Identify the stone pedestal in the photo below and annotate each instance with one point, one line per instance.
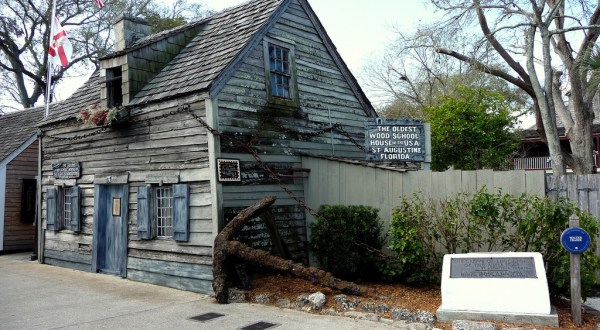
(508, 287)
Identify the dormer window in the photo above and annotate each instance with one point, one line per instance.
(280, 71)
(114, 91)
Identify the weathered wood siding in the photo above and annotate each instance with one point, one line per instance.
(333, 182)
(325, 98)
(18, 234)
(173, 149)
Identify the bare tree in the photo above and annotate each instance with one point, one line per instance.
(411, 75)
(24, 36)
(540, 33)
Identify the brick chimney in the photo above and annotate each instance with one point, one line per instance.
(128, 29)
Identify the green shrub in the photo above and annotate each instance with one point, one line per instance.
(338, 238)
(423, 230)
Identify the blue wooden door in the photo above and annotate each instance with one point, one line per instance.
(109, 253)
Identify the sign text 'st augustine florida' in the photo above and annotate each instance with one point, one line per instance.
(395, 140)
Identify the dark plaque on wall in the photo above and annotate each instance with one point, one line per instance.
(495, 267)
(228, 170)
(66, 170)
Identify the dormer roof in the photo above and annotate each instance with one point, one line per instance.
(220, 40)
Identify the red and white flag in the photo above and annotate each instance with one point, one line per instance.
(60, 50)
(100, 3)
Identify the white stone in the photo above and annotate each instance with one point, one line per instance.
(496, 295)
(317, 299)
(470, 325)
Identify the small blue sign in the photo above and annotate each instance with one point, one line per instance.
(575, 240)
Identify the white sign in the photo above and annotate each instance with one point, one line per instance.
(510, 287)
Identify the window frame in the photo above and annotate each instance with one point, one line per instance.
(64, 200)
(292, 100)
(162, 204)
(114, 87)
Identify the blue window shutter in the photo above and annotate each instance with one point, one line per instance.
(51, 209)
(75, 209)
(181, 212)
(144, 211)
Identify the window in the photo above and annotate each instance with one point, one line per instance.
(63, 208)
(279, 68)
(66, 203)
(279, 65)
(114, 91)
(163, 212)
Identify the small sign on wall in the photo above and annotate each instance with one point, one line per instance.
(395, 140)
(66, 170)
(116, 207)
(228, 170)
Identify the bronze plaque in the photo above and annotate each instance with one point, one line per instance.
(493, 267)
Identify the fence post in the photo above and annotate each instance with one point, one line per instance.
(575, 278)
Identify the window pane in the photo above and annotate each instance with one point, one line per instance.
(164, 211)
(285, 68)
(286, 87)
(273, 84)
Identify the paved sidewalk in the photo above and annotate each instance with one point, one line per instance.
(36, 296)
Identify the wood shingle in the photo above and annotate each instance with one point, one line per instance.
(16, 128)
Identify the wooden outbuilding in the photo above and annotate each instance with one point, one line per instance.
(18, 184)
(208, 118)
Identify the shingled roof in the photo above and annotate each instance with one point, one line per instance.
(16, 128)
(220, 41)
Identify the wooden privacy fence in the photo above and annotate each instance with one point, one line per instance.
(581, 189)
(352, 183)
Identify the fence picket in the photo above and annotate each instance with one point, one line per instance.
(582, 192)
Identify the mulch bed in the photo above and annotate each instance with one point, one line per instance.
(278, 287)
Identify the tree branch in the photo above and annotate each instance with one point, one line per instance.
(574, 28)
(524, 85)
(592, 36)
(496, 44)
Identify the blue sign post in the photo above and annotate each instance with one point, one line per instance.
(575, 240)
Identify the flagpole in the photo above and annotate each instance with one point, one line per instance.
(49, 62)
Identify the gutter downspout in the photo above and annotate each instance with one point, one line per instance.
(38, 220)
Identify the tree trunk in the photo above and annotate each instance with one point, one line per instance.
(582, 146)
(224, 246)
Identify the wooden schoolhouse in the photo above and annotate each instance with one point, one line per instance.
(18, 184)
(178, 131)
